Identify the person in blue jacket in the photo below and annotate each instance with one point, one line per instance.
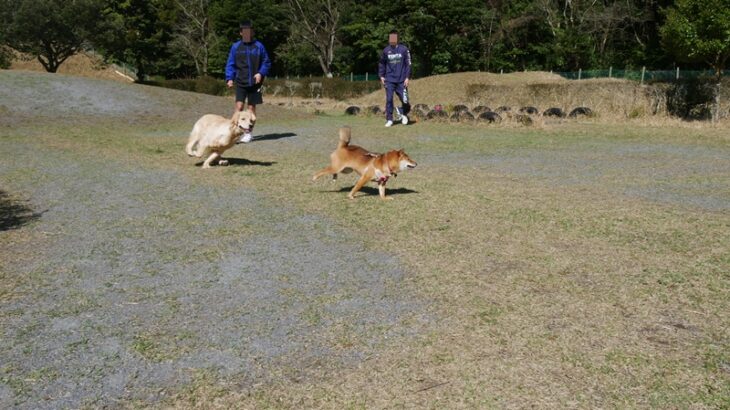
(248, 64)
(394, 70)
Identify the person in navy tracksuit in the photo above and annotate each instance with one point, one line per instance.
(248, 64)
(394, 70)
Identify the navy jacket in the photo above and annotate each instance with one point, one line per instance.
(395, 64)
(246, 60)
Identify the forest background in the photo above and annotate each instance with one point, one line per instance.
(168, 39)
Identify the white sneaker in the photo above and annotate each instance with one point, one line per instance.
(404, 120)
(389, 123)
(245, 138)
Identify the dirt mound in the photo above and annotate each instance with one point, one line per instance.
(452, 88)
(81, 64)
(608, 98)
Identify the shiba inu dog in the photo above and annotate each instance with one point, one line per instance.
(369, 165)
(213, 134)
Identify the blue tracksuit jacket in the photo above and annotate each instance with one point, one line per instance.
(245, 60)
(395, 64)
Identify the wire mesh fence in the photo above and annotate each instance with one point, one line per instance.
(634, 75)
(640, 75)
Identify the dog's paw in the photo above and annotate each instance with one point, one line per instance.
(223, 162)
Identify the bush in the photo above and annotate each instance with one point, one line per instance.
(6, 57)
(693, 99)
(335, 88)
(310, 87)
(203, 85)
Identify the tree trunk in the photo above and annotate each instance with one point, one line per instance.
(716, 110)
(718, 88)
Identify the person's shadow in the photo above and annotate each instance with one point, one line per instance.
(275, 136)
(14, 214)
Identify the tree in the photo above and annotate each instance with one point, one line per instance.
(317, 23)
(139, 34)
(50, 30)
(270, 23)
(699, 31)
(193, 33)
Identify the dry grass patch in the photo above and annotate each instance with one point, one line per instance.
(543, 291)
(81, 64)
(547, 295)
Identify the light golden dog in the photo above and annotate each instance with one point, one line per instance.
(213, 134)
(371, 166)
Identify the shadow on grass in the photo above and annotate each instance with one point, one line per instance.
(14, 214)
(374, 191)
(274, 136)
(241, 162)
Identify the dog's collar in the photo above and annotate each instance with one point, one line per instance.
(384, 178)
(390, 171)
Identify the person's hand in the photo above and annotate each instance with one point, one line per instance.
(382, 81)
(258, 78)
(229, 83)
(405, 83)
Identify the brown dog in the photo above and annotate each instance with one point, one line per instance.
(213, 134)
(371, 166)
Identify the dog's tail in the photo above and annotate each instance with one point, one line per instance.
(192, 143)
(345, 133)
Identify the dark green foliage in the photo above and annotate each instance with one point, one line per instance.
(5, 57)
(138, 34)
(443, 35)
(698, 31)
(50, 30)
(693, 99)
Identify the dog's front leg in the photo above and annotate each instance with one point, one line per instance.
(381, 189)
(210, 159)
(358, 185)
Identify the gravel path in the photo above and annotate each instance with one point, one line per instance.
(137, 280)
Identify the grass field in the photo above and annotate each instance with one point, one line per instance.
(571, 265)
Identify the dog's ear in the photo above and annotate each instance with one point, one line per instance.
(236, 115)
(253, 117)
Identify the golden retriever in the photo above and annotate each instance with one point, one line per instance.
(370, 165)
(213, 134)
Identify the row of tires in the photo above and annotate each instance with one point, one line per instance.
(479, 113)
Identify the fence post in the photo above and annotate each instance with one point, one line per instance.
(580, 73)
(501, 71)
(677, 72)
(366, 76)
(610, 71)
(351, 77)
(643, 71)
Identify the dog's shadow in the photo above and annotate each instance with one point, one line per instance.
(241, 162)
(374, 191)
(266, 137)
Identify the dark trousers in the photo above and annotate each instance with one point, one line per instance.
(402, 92)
